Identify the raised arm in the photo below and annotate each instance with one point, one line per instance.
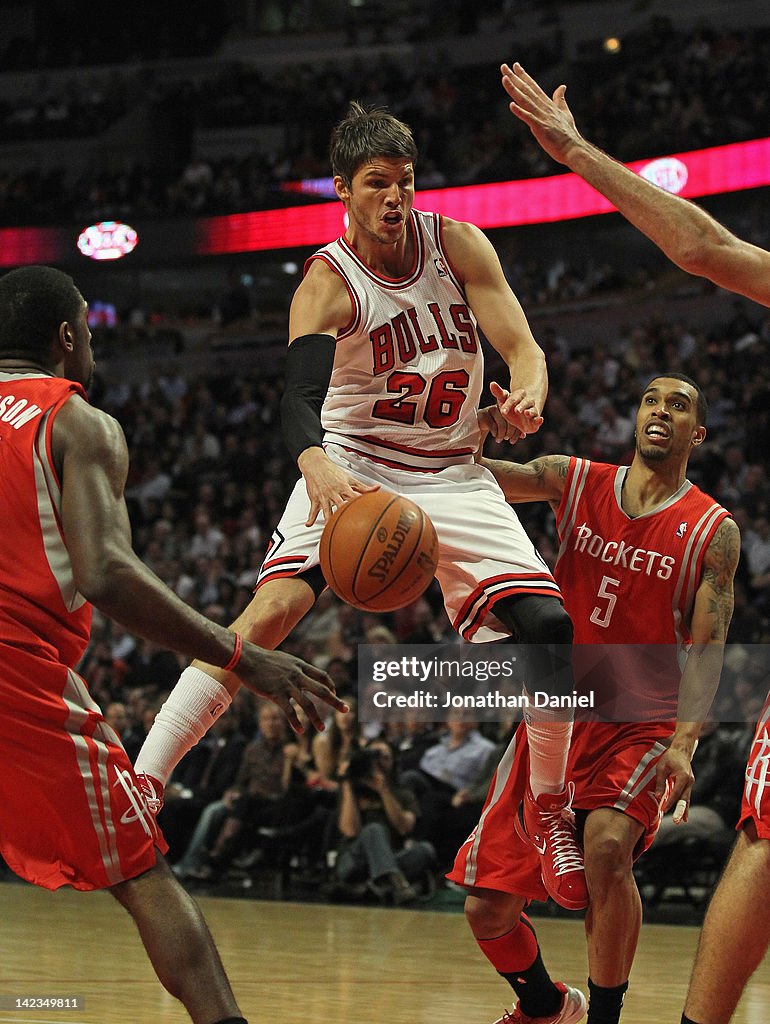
(502, 320)
(711, 617)
(688, 235)
(542, 479)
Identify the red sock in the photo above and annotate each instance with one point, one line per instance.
(514, 951)
(516, 957)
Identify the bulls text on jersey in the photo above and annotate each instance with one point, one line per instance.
(412, 332)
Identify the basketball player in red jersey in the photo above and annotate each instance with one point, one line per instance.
(736, 930)
(383, 377)
(646, 563)
(71, 810)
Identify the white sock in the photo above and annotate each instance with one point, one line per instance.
(194, 704)
(548, 736)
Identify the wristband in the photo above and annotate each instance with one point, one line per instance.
(237, 652)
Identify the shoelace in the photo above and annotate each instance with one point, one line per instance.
(567, 855)
(514, 1017)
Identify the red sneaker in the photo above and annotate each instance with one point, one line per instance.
(573, 1008)
(152, 791)
(548, 823)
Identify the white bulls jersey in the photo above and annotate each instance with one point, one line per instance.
(408, 368)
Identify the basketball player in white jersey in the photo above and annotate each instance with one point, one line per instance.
(736, 931)
(383, 377)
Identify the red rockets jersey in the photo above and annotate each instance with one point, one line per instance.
(41, 611)
(71, 812)
(632, 581)
(408, 367)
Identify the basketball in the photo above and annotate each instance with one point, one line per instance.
(379, 551)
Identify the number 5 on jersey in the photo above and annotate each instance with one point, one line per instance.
(602, 614)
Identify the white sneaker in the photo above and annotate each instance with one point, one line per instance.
(573, 1008)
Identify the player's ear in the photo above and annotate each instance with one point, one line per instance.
(342, 190)
(698, 435)
(64, 336)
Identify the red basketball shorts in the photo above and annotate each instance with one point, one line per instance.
(612, 764)
(484, 553)
(71, 812)
(756, 790)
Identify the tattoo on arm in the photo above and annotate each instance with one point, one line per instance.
(540, 480)
(560, 465)
(718, 574)
(557, 464)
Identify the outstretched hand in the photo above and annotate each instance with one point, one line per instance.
(517, 409)
(288, 682)
(549, 119)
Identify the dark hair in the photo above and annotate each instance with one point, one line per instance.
(365, 134)
(701, 405)
(34, 302)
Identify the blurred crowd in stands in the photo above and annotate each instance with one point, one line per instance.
(55, 35)
(664, 91)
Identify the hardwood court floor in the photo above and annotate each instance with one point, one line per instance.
(294, 963)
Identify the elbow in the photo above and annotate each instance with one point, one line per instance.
(694, 259)
(700, 253)
(100, 583)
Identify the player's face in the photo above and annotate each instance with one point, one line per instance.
(380, 198)
(667, 421)
(79, 360)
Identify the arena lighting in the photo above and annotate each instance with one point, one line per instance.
(540, 200)
(669, 173)
(107, 240)
(702, 172)
(20, 247)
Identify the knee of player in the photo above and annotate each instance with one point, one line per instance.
(552, 624)
(607, 859)
(490, 913)
(536, 619)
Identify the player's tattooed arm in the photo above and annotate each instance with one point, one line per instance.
(711, 616)
(542, 479)
(714, 600)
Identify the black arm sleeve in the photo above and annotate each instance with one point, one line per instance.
(309, 363)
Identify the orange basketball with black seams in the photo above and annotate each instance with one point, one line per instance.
(379, 551)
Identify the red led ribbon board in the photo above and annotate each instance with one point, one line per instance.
(506, 204)
(704, 172)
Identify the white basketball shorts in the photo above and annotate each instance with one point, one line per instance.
(484, 553)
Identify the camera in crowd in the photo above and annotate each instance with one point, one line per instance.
(362, 765)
